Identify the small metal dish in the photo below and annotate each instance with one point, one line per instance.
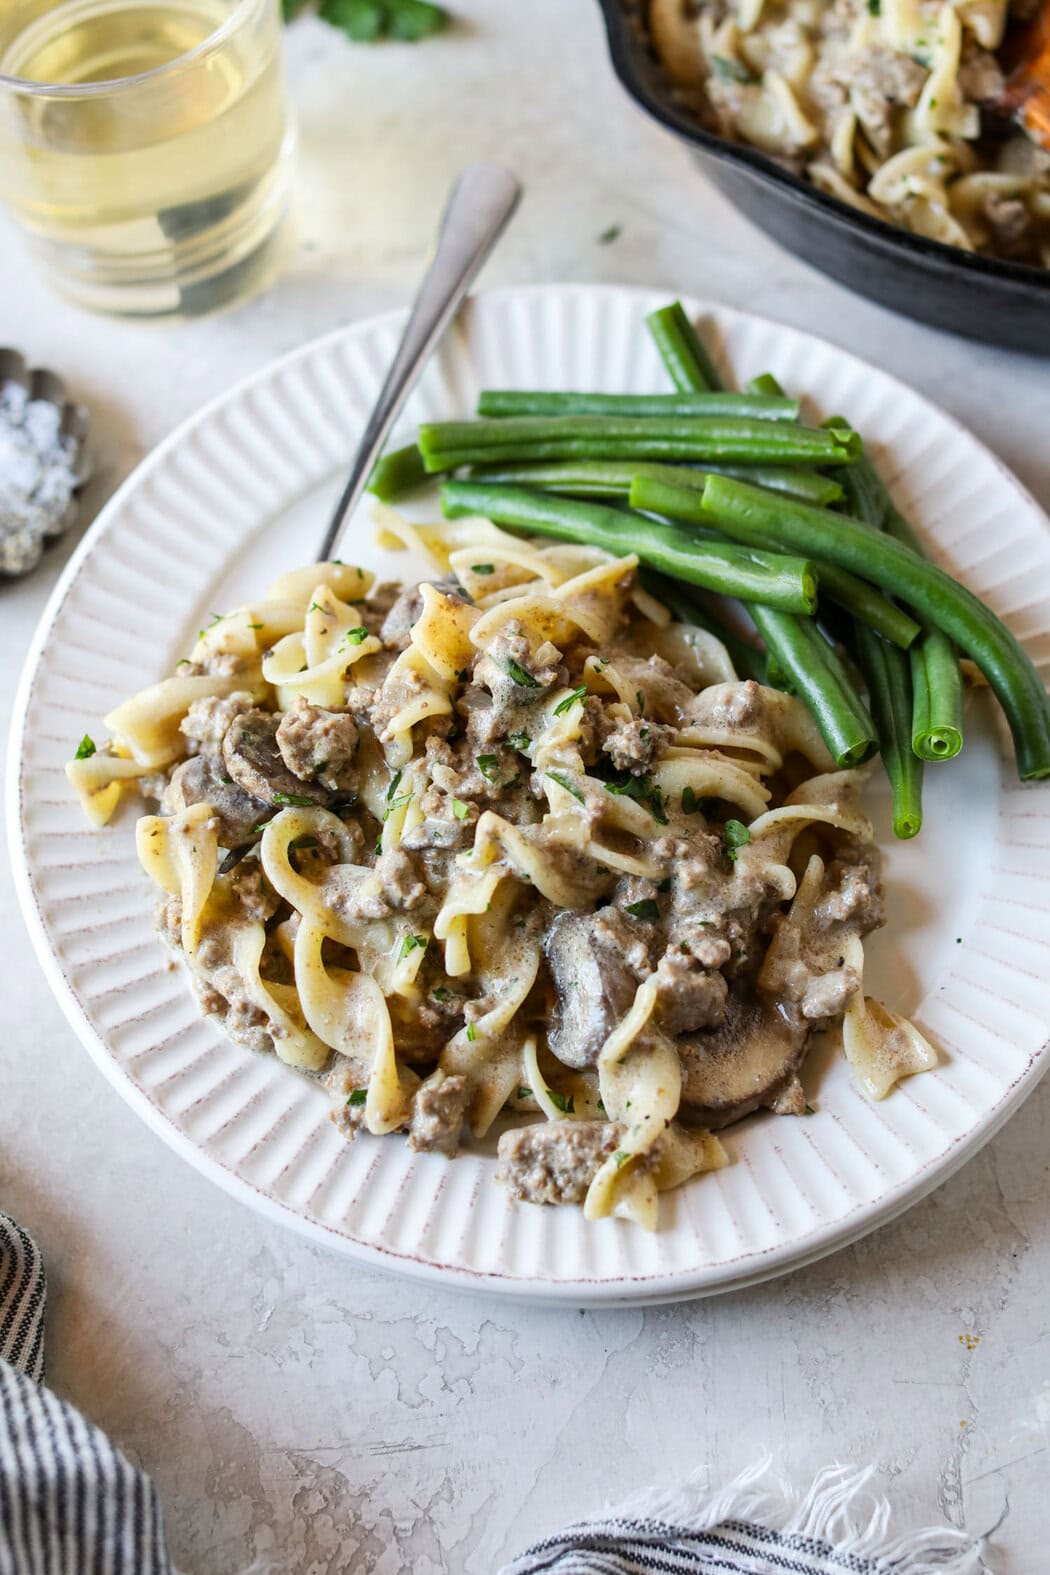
(43, 461)
(1006, 303)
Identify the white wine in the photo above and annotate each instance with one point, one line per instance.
(148, 152)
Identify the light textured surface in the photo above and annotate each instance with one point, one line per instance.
(288, 1402)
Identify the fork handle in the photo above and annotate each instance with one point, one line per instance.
(479, 208)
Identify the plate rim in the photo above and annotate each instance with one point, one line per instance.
(627, 1289)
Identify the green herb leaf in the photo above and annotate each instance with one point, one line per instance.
(621, 1157)
(735, 835)
(648, 908)
(86, 748)
(314, 607)
(410, 944)
(295, 800)
(441, 994)
(487, 764)
(874, 7)
(459, 809)
(410, 20)
(524, 1093)
(521, 676)
(362, 21)
(613, 233)
(483, 568)
(394, 780)
(564, 782)
(731, 70)
(563, 1102)
(397, 803)
(690, 802)
(519, 741)
(570, 700)
(472, 1032)
(644, 790)
(357, 1096)
(355, 636)
(640, 698)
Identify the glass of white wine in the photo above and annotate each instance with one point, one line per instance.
(145, 146)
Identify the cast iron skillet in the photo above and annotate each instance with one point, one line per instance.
(1007, 303)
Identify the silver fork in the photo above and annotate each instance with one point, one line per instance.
(479, 209)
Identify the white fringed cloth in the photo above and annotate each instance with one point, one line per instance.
(72, 1504)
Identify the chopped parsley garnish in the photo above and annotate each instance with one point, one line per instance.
(294, 800)
(410, 944)
(874, 7)
(570, 700)
(641, 701)
(809, 1111)
(621, 1157)
(483, 568)
(524, 1093)
(396, 803)
(644, 791)
(521, 676)
(519, 741)
(472, 1032)
(355, 636)
(86, 748)
(646, 909)
(460, 809)
(563, 1102)
(487, 764)
(255, 626)
(394, 780)
(564, 782)
(183, 661)
(441, 994)
(357, 1096)
(690, 803)
(731, 70)
(316, 607)
(735, 835)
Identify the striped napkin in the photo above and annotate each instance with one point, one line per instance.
(70, 1503)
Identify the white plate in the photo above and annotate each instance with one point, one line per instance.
(240, 491)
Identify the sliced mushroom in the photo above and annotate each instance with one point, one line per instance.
(202, 780)
(595, 960)
(745, 1064)
(256, 764)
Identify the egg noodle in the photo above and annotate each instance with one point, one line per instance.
(878, 102)
(510, 840)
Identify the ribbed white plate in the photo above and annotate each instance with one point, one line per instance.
(241, 491)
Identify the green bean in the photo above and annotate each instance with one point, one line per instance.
(887, 676)
(784, 582)
(611, 478)
(937, 684)
(503, 402)
(765, 383)
(817, 677)
(747, 514)
(850, 591)
(448, 444)
(746, 658)
(398, 473)
(682, 350)
(937, 689)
